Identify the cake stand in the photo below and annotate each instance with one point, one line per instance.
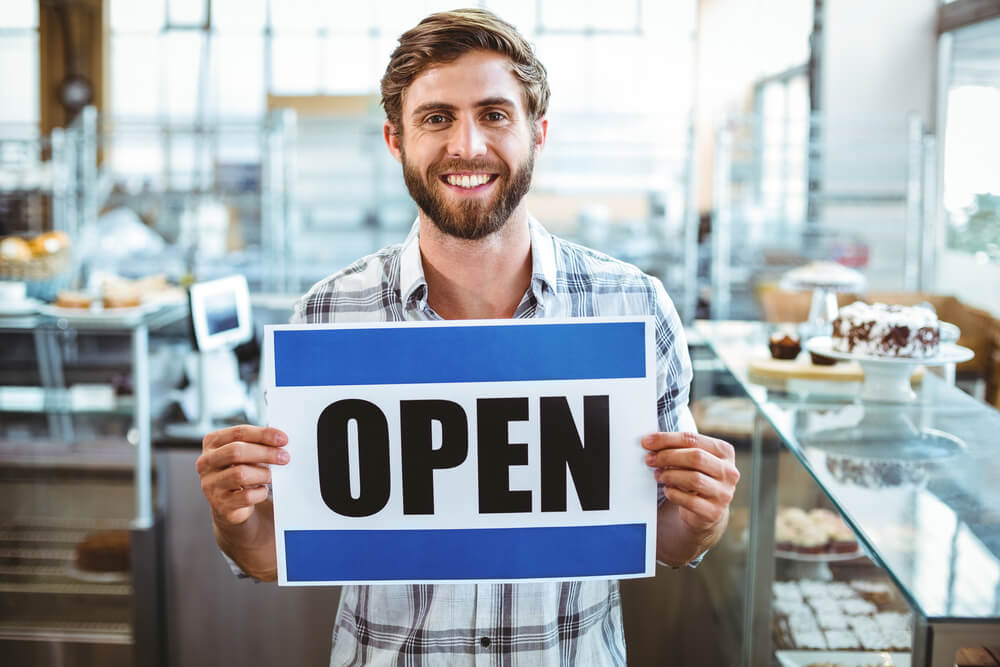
(887, 379)
(823, 308)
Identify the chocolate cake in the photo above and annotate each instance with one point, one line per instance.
(103, 551)
(886, 331)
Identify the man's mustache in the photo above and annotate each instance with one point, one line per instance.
(485, 166)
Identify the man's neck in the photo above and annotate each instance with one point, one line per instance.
(481, 279)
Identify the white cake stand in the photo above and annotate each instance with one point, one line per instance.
(823, 307)
(887, 379)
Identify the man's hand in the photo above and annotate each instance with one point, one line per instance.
(233, 471)
(699, 478)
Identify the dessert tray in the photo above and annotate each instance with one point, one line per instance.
(115, 577)
(19, 308)
(97, 314)
(887, 379)
(844, 658)
(825, 557)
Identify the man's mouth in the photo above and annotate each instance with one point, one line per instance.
(469, 181)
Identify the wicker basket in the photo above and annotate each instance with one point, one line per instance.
(40, 268)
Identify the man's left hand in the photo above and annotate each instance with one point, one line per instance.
(698, 474)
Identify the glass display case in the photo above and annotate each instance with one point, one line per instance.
(80, 536)
(916, 579)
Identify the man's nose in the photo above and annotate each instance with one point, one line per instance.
(466, 141)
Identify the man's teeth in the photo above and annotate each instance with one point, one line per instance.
(466, 181)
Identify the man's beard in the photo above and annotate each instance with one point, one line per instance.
(472, 219)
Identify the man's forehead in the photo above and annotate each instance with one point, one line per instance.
(472, 77)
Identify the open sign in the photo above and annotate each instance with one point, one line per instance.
(471, 451)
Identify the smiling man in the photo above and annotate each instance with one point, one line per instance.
(465, 101)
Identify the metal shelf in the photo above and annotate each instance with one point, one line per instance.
(80, 633)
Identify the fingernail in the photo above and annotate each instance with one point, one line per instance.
(647, 440)
(280, 439)
(282, 456)
(650, 458)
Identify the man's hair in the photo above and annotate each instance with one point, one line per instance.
(446, 36)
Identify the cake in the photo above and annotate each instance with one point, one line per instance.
(817, 531)
(784, 345)
(886, 331)
(103, 551)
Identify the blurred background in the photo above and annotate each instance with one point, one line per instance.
(713, 144)
(150, 145)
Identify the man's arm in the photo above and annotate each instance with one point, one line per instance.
(699, 477)
(234, 478)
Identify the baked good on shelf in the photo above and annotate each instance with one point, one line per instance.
(886, 331)
(784, 345)
(821, 359)
(49, 243)
(103, 551)
(814, 532)
(121, 299)
(877, 592)
(15, 249)
(71, 299)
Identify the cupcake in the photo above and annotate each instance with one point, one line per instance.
(784, 345)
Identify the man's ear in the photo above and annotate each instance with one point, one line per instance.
(392, 140)
(541, 131)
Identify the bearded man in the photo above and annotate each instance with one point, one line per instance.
(465, 101)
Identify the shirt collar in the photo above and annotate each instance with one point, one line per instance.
(413, 285)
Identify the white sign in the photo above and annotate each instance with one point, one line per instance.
(472, 451)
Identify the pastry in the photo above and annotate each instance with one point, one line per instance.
(49, 243)
(69, 299)
(784, 345)
(14, 249)
(104, 551)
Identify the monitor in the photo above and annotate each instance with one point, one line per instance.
(220, 313)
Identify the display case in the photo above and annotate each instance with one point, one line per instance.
(79, 524)
(914, 481)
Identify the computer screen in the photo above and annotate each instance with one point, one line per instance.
(220, 313)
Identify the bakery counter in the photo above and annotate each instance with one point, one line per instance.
(915, 481)
(78, 486)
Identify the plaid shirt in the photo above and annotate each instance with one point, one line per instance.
(550, 623)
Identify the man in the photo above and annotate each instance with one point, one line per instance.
(465, 102)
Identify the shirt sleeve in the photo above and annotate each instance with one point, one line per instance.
(673, 379)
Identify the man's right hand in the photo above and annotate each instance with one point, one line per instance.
(233, 470)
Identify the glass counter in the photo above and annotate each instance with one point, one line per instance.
(918, 483)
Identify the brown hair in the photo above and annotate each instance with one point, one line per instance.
(443, 38)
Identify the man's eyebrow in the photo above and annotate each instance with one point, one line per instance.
(444, 106)
(433, 106)
(495, 102)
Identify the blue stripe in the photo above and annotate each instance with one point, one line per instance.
(487, 353)
(501, 553)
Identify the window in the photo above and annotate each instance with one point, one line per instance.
(971, 169)
(19, 63)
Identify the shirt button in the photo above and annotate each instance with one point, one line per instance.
(484, 642)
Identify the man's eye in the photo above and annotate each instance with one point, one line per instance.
(495, 116)
(436, 119)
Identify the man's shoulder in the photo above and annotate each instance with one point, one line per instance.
(367, 285)
(574, 261)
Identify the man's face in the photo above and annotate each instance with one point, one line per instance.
(467, 146)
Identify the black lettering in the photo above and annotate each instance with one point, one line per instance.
(420, 459)
(561, 447)
(496, 455)
(373, 457)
